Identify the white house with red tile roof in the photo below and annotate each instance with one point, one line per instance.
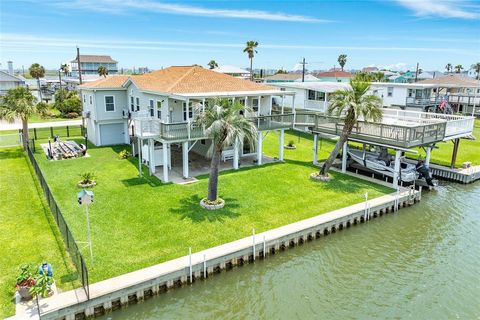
(155, 111)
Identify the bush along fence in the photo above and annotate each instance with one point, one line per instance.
(68, 238)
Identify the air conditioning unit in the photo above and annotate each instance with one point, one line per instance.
(126, 114)
(86, 114)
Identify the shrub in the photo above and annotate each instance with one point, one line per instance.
(25, 277)
(291, 143)
(87, 177)
(68, 102)
(43, 285)
(71, 115)
(124, 154)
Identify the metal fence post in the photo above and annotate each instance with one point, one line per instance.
(68, 132)
(51, 132)
(35, 133)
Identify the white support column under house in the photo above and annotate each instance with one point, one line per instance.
(428, 152)
(396, 168)
(139, 144)
(344, 157)
(151, 157)
(236, 153)
(185, 159)
(280, 145)
(165, 161)
(259, 148)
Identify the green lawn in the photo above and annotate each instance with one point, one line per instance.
(139, 222)
(468, 150)
(28, 233)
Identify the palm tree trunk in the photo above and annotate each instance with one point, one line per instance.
(25, 133)
(347, 129)
(39, 90)
(213, 179)
(251, 69)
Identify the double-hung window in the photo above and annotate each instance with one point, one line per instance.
(132, 103)
(152, 108)
(109, 103)
(389, 91)
(138, 103)
(159, 109)
(255, 104)
(187, 111)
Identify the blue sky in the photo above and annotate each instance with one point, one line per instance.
(157, 33)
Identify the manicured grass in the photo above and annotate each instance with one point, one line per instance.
(138, 222)
(36, 118)
(28, 233)
(468, 150)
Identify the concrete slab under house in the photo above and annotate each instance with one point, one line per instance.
(154, 113)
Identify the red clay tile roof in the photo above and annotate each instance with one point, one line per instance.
(108, 82)
(453, 80)
(183, 80)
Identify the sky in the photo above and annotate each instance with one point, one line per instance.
(394, 34)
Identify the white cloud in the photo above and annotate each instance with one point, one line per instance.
(442, 8)
(125, 6)
(400, 66)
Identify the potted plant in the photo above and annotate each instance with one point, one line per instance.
(88, 180)
(42, 286)
(124, 154)
(25, 281)
(290, 145)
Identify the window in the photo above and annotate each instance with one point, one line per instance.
(132, 104)
(91, 100)
(389, 91)
(109, 103)
(255, 104)
(187, 112)
(84, 98)
(410, 93)
(152, 109)
(315, 95)
(138, 103)
(159, 109)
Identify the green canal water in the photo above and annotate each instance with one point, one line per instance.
(422, 263)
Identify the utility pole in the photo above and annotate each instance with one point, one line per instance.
(60, 79)
(303, 63)
(416, 73)
(79, 68)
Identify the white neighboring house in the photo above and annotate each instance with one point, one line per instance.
(9, 81)
(309, 95)
(401, 94)
(472, 73)
(157, 110)
(233, 71)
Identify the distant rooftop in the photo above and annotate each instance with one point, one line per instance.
(231, 70)
(452, 80)
(323, 86)
(334, 74)
(95, 58)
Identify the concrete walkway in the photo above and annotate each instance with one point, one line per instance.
(17, 124)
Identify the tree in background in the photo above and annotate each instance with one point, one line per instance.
(458, 68)
(250, 50)
(64, 68)
(213, 64)
(102, 71)
(37, 71)
(342, 60)
(280, 71)
(224, 125)
(476, 67)
(19, 103)
(356, 103)
(68, 103)
(448, 67)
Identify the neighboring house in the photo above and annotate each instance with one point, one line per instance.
(424, 76)
(472, 73)
(157, 109)
(370, 69)
(289, 77)
(309, 95)
(334, 76)
(397, 79)
(9, 81)
(233, 71)
(89, 65)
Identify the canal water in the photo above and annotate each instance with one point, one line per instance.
(422, 263)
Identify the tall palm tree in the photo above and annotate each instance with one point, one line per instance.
(449, 67)
(458, 68)
(213, 64)
(37, 71)
(224, 125)
(250, 50)
(342, 60)
(356, 103)
(65, 69)
(102, 71)
(476, 67)
(20, 103)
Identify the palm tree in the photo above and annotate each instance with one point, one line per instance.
(356, 103)
(65, 69)
(342, 60)
(379, 76)
(476, 67)
(224, 125)
(20, 103)
(213, 64)
(250, 50)
(458, 68)
(37, 72)
(102, 71)
(448, 67)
